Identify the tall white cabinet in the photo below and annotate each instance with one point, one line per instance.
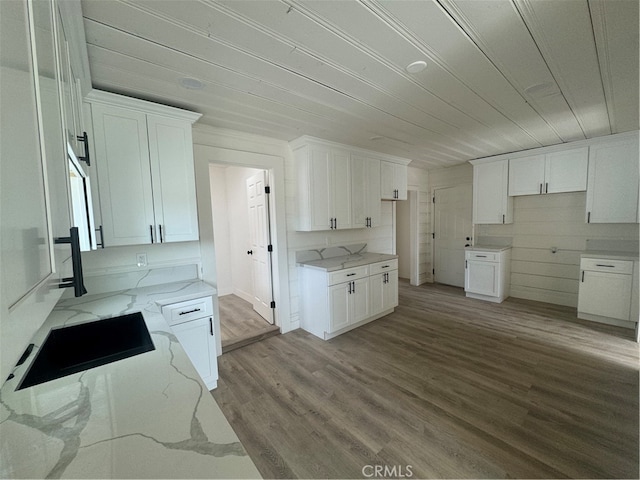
(491, 202)
(144, 158)
(612, 190)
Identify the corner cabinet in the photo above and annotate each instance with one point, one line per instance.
(613, 182)
(335, 302)
(491, 202)
(144, 158)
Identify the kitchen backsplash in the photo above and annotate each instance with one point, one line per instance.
(330, 252)
(112, 282)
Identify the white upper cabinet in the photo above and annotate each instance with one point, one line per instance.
(340, 186)
(556, 172)
(393, 179)
(365, 192)
(491, 204)
(612, 189)
(144, 158)
(324, 188)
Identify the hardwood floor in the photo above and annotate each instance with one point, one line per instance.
(445, 387)
(240, 325)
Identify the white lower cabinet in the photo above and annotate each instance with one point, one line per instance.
(192, 323)
(335, 302)
(608, 291)
(487, 274)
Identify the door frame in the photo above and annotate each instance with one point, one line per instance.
(413, 197)
(274, 165)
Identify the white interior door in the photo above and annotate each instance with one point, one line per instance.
(452, 226)
(259, 242)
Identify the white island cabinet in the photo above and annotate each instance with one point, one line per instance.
(346, 292)
(144, 158)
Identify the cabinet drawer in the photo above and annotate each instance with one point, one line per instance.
(482, 256)
(348, 274)
(176, 313)
(382, 267)
(604, 265)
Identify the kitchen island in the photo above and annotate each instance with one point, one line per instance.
(147, 416)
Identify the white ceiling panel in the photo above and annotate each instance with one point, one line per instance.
(502, 75)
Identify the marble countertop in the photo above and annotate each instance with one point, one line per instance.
(147, 416)
(488, 248)
(610, 255)
(347, 261)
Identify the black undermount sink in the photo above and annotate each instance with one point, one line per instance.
(68, 350)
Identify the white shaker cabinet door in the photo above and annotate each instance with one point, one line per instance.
(605, 294)
(566, 171)
(174, 187)
(198, 342)
(612, 190)
(124, 176)
(482, 278)
(526, 175)
(338, 306)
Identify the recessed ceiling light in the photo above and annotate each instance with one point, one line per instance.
(191, 83)
(416, 67)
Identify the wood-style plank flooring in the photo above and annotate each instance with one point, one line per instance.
(445, 387)
(240, 325)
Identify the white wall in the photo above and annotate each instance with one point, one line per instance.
(220, 218)
(541, 222)
(418, 180)
(403, 239)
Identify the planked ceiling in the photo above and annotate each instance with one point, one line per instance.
(501, 76)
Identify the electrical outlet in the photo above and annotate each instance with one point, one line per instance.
(141, 259)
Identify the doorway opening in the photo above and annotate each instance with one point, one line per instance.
(405, 219)
(242, 231)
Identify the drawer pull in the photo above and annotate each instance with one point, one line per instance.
(189, 311)
(603, 265)
(385, 266)
(480, 256)
(211, 326)
(350, 274)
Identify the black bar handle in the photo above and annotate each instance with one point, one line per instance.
(85, 139)
(350, 274)
(546, 187)
(151, 232)
(77, 281)
(99, 229)
(161, 237)
(354, 287)
(603, 265)
(189, 311)
(349, 288)
(582, 276)
(211, 326)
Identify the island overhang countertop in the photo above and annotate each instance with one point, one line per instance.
(147, 416)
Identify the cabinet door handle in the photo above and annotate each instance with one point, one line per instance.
(151, 232)
(211, 326)
(161, 237)
(588, 217)
(354, 287)
(466, 264)
(503, 218)
(349, 288)
(189, 311)
(582, 276)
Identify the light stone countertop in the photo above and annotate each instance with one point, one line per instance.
(147, 416)
(488, 248)
(608, 255)
(347, 261)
